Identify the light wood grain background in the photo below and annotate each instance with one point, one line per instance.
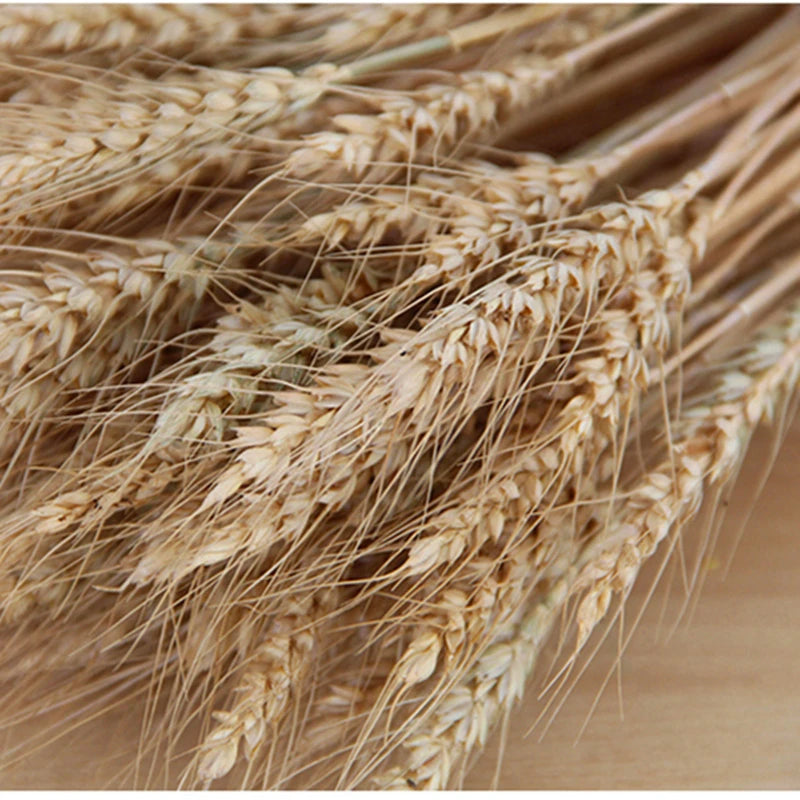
(714, 703)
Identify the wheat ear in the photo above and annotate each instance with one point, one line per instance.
(177, 30)
(274, 672)
(253, 347)
(174, 132)
(464, 342)
(710, 444)
(463, 717)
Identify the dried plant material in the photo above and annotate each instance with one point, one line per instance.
(273, 674)
(177, 30)
(73, 323)
(466, 713)
(709, 443)
(345, 351)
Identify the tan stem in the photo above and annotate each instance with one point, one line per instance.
(711, 281)
(714, 108)
(782, 281)
(780, 34)
(703, 315)
(630, 34)
(775, 185)
(459, 38)
(788, 125)
(643, 65)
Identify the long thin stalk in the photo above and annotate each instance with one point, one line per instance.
(783, 280)
(780, 34)
(466, 35)
(657, 59)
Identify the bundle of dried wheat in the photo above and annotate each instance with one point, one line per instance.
(346, 351)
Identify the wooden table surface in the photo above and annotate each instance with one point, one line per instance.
(713, 703)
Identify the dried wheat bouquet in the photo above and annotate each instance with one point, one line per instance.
(348, 352)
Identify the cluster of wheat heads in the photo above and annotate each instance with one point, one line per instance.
(348, 352)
